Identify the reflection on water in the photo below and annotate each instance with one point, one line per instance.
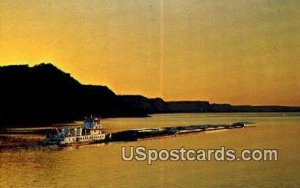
(101, 165)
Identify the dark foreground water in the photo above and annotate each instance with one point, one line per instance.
(102, 166)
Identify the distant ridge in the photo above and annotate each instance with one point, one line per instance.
(43, 94)
(157, 105)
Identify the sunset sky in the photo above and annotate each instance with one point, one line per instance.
(224, 51)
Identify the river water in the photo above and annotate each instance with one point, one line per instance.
(102, 166)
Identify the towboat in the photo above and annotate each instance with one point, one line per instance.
(90, 132)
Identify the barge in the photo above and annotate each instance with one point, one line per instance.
(143, 133)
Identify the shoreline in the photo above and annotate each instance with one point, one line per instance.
(71, 123)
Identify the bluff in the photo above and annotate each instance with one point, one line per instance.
(44, 94)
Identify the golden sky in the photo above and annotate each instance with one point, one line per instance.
(224, 51)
